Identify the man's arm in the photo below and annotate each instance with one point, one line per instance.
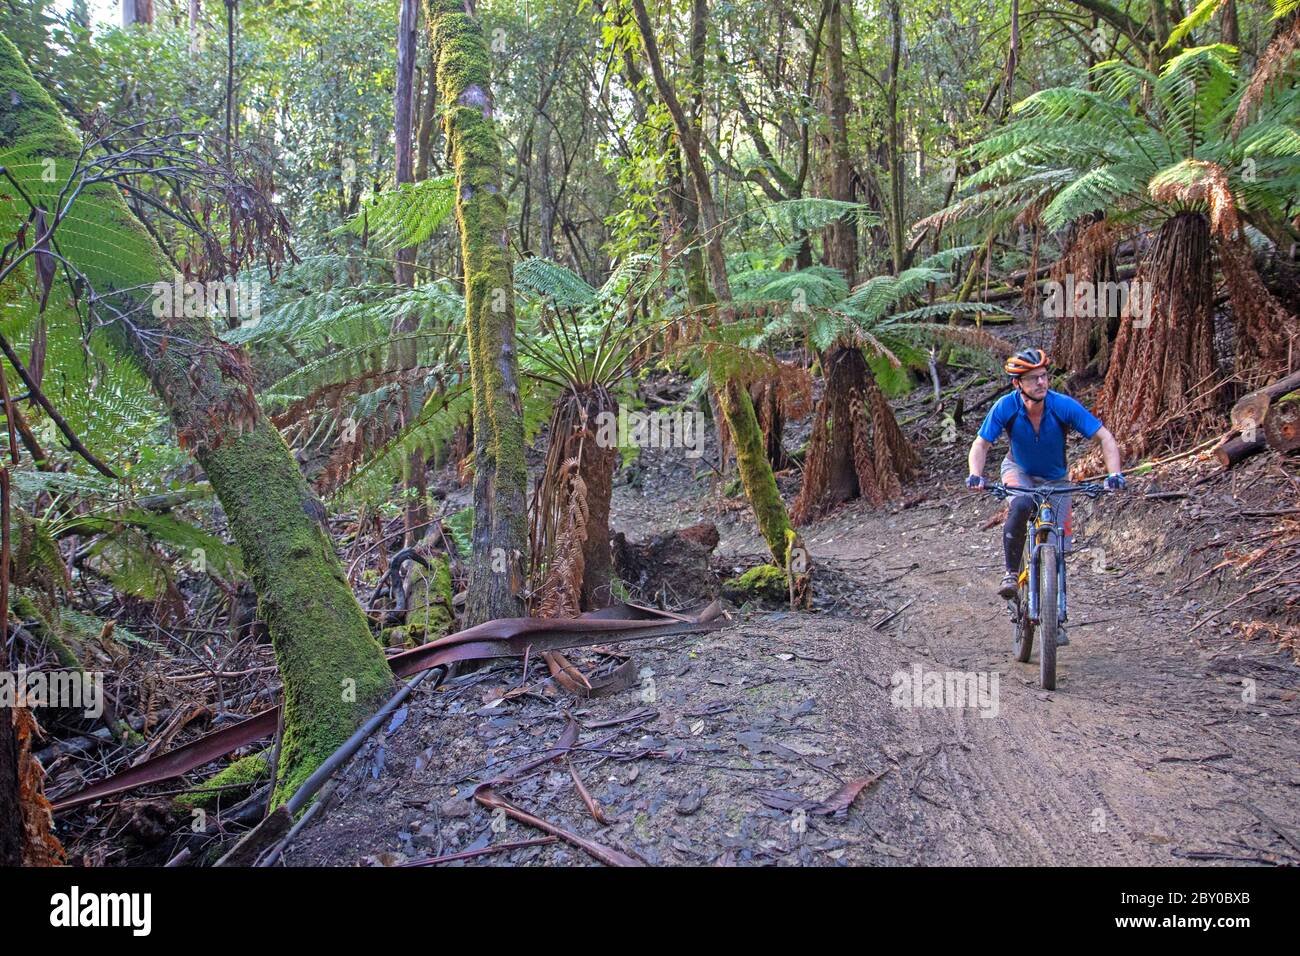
(1109, 450)
(979, 451)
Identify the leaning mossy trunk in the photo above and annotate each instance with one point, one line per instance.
(463, 71)
(755, 472)
(334, 672)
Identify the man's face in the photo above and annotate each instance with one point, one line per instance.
(1034, 384)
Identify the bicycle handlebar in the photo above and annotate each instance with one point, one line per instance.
(999, 490)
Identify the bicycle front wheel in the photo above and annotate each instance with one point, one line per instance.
(1048, 611)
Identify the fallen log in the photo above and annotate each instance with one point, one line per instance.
(1255, 406)
(1282, 426)
(1003, 293)
(1236, 449)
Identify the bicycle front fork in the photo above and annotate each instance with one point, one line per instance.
(1055, 537)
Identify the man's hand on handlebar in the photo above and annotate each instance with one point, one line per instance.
(975, 482)
(1115, 482)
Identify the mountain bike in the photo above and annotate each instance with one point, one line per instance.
(1040, 601)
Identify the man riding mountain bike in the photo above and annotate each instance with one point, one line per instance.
(1036, 419)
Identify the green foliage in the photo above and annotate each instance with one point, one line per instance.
(406, 214)
(550, 280)
(574, 335)
(795, 216)
(191, 544)
(442, 413)
(460, 525)
(1199, 16)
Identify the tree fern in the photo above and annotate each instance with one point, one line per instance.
(436, 424)
(1072, 152)
(552, 281)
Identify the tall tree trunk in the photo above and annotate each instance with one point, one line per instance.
(843, 232)
(896, 239)
(428, 122)
(195, 26)
(755, 470)
(137, 11)
(1231, 29)
(232, 114)
(334, 671)
(11, 813)
(464, 76)
(11, 816)
(405, 352)
(403, 97)
(844, 371)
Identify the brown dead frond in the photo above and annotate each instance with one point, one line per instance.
(1162, 387)
(40, 846)
(856, 446)
(1264, 329)
(809, 503)
(1204, 184)
(1082, 337)
(1272, 67)
(561, 593)
(863, 459)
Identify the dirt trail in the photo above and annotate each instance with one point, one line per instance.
(1147, 753)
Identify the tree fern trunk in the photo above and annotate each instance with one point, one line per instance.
(500, 517)
(334, 672)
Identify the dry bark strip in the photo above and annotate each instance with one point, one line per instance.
(482, 851)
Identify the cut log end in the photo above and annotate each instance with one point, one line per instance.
(1237, 449)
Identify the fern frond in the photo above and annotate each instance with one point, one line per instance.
(407, 214)
(811, 213)
(553, 281)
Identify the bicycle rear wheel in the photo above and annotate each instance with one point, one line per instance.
(1047, 615)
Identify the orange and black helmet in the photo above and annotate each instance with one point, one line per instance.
(1026, 360)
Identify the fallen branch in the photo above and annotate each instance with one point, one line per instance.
(482, 851)
(607, 855)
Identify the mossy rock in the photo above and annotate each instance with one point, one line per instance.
(766, 582)
(243, 773)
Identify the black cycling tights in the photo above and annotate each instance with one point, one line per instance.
(1019, 508)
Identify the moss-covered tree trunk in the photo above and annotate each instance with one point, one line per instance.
(755, 470)
(334, 672)
(464, 75)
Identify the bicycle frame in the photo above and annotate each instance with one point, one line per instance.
(1046, 529)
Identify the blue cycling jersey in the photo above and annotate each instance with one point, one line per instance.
(1040, 453)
